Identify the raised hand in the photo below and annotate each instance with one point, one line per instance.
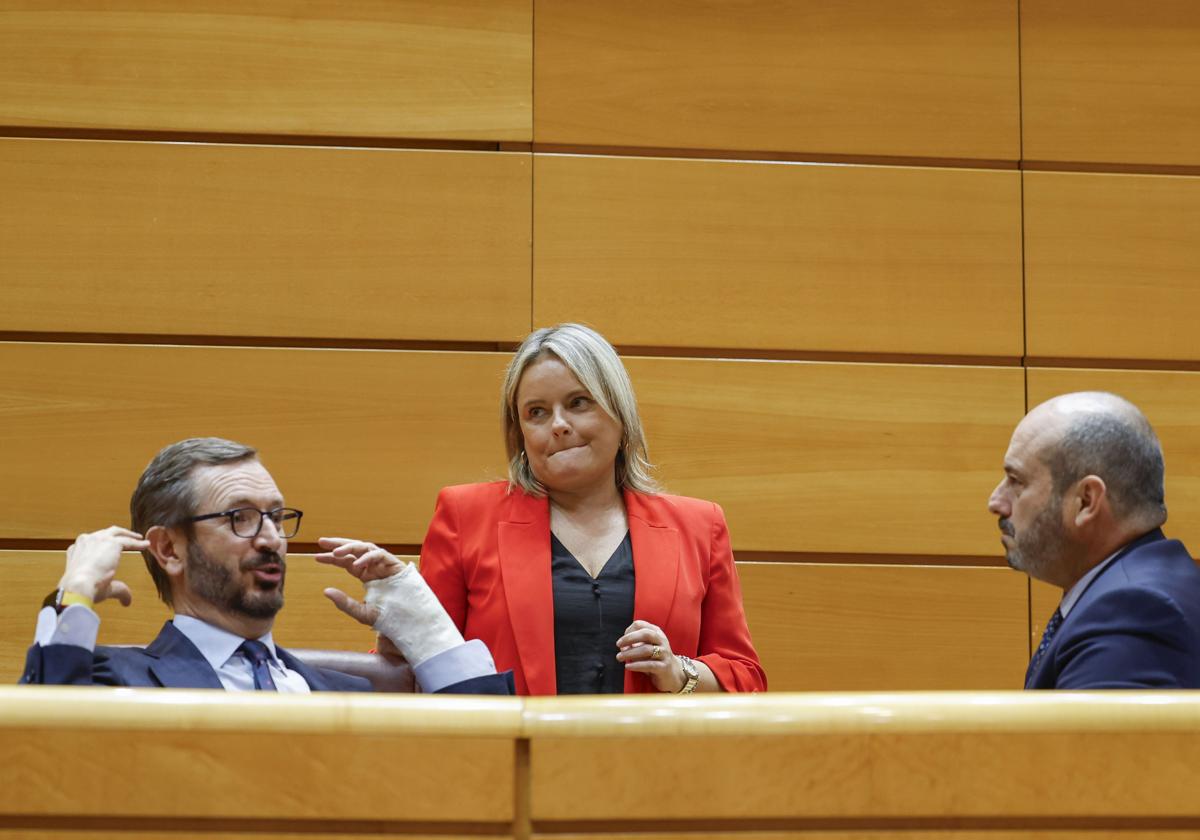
(92, 562)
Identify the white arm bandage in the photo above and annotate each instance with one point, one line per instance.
(411, 615)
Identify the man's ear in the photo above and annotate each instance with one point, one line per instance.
(1090, 498)
(169, 548)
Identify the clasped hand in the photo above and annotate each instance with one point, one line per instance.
(645, 648)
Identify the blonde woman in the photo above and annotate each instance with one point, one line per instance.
(577, 573)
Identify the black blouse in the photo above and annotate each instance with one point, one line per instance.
(589, 616)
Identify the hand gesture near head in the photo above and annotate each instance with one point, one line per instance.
(92, 562)
(367, 562)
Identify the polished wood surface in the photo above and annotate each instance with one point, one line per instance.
(654, 251)
(925, 755)
(816, 457)
(1171, 402)
(866, 77)
(827, 627)
(360, 440)
(823, 457)
(817, 627)
(1110, 81)
(192, 754)
(195, 239)
(392, 68)
(939, 764)
(1111, 265)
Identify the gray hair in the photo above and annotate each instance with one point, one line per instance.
(1119, 446)
(598, 368)
(166, 495)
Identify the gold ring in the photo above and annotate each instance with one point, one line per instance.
(656, 652)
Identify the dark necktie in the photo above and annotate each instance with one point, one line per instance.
(1052, 626)
(256, 652)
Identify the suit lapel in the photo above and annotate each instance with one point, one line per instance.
(655, 561)
(523, 539)
(178, 663)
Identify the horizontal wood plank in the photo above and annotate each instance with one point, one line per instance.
(779, 256)
(1110, 81)
(887, 628)
(804, 456)
(1171, 401)
(222, 240)
(862, 77)
(457, 69)
(817, 627)
(822, 457)
(1111, 265)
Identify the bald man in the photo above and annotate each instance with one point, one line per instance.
(1080, 507)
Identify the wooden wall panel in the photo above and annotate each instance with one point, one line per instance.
(1171, 401)
(360, 440)
(824, 627)
(308, 620)
(264, 241)
(1110, 81)
(804, 456)
(392, 68)
(1111, 265)
(862, 77)
(780, 256)
(817, 627)
(823, 457)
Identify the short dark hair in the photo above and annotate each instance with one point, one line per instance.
(1121, 450)
(165, 494)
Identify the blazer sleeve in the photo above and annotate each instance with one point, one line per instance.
(725, 645)
(441, 560)
(66, 665)
(1129, 638)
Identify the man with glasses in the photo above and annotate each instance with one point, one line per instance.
(213, 529)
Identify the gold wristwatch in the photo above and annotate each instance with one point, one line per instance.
(689, 671)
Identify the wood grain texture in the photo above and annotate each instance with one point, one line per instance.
(1171, 402)
(308, 619)
(933, 828)
(224, 775)
(735, 254)
(811, 456)
(359, 440)
(887, 628)
(816, 627)
(1109, 81)
(822, 457)
(458, 69)
(865, 77)
(1111, 265)
(223, 240)
(822, 775)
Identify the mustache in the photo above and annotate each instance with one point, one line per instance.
(266, 558)
(1007, 527)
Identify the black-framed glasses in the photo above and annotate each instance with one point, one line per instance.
(247, 522)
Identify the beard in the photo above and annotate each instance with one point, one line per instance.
(217, 584)
(1041, 544)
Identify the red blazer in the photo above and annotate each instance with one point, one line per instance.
(487, 557)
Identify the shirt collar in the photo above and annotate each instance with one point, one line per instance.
(1076, 592)
(215, 644)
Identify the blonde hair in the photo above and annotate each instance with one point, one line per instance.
(598, 368)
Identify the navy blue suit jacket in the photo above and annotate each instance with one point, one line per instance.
(1137, 625)
(172, 661)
